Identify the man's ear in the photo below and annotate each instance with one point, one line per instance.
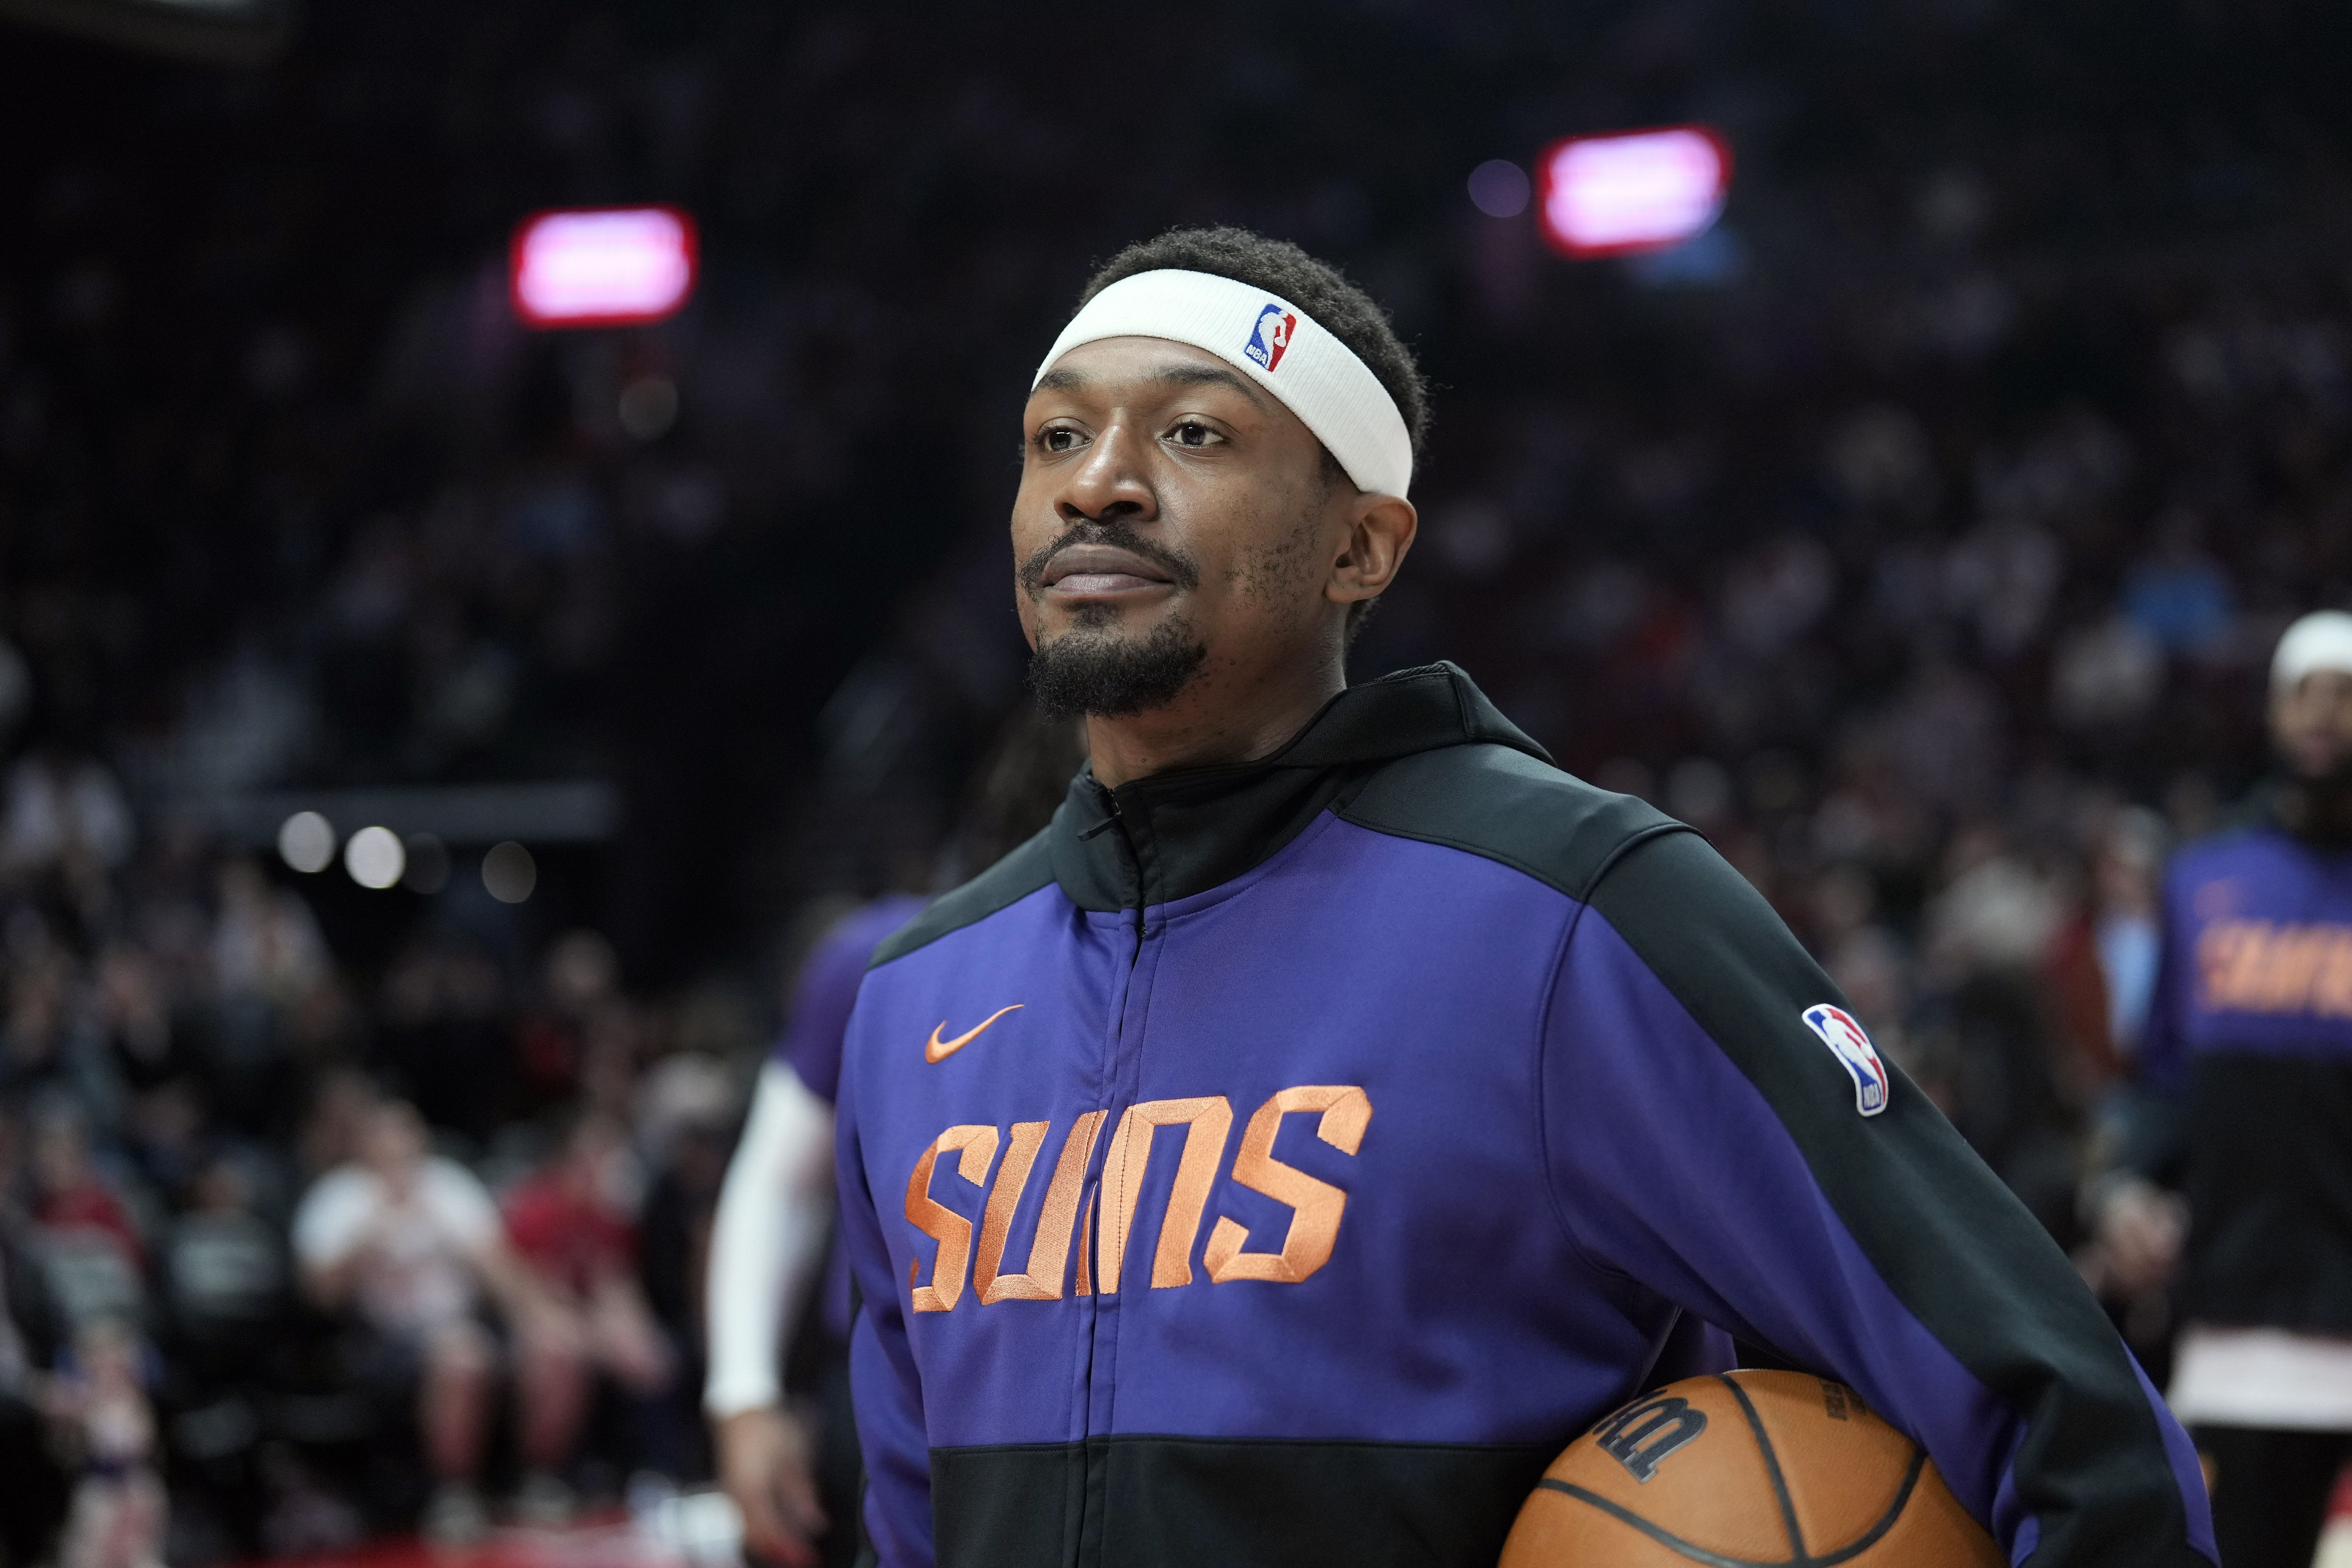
(1381, 529)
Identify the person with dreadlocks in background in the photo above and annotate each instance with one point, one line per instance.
(2245, 1102)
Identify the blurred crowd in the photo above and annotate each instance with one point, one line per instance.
(327, 1315)
(1919, 534)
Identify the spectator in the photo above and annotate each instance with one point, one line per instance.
(580, 986)
(132, 1012)
(569, 1228)
(2127, 873)
(338, 1114)
(674, 1229)
(409, 1243)
(266, 955)
(444, 1035)
(34, 1492)
(63, 811)
(48, 1053)
(2177, 594)
(223, 1272)
(87, 1241)
(116, 1519)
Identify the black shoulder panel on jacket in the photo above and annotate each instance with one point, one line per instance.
(1962, 1253)
(1502, 804)
(1009, 881)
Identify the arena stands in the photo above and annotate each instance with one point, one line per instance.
(1918, 533)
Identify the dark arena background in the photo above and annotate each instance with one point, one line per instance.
(400, 695)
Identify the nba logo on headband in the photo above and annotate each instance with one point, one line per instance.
(1271, 336)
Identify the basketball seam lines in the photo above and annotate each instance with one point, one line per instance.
(1662, 1536)
(1771, 1468)
(1700, 1554)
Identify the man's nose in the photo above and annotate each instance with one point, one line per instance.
(1110, 480)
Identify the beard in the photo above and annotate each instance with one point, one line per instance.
(1092, 671)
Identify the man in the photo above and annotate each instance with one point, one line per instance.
(776, 1208)
(767, 1241)
(33, 1331)
(581, 1249)
(411, 1242)
(1282, 1155)
(2247, 1066)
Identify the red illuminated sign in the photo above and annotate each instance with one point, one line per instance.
(602, 266)
(1643, 190)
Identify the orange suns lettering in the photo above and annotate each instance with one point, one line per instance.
(1065, 1226)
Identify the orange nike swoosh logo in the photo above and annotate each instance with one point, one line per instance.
(937, 1050)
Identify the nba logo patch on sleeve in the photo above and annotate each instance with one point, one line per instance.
(1852, 1047)
(1271, 336)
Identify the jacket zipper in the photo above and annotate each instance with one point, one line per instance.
(1092, 1543)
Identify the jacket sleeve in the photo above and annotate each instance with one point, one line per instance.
(884, 1387)
(1703, 1139)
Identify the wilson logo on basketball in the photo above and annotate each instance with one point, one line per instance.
(1640, 1435)
(1068, 1223)
(1746, 1470)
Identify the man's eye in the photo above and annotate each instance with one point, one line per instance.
(1061, 438)
(1192, 433)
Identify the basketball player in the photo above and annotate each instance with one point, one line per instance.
(768, 1243)
(1282, 1155)
(2250, 1036)
(768, 1237)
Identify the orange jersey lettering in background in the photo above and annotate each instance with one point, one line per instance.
(1316, 1206)
(2259, 966)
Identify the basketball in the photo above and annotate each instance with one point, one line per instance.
(1748, 1469)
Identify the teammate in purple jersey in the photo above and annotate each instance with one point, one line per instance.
(2247, 1069)
(768, 1243)
(769, 1258)
(1336, 1108)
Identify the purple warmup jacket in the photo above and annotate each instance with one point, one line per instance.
(1281, 1164)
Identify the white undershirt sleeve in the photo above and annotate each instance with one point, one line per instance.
(768, 1240)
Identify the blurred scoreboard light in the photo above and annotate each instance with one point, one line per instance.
(1643, 190)
(602, 266)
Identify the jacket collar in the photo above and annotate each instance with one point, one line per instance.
(1172, 834)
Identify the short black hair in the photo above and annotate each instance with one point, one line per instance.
(1317, 287)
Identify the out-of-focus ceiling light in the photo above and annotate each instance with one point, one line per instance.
(509, 872)
(603, 267)
(1643, 190)
(306, 841)
(375, 857)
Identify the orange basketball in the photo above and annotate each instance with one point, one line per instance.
(1749, 1470)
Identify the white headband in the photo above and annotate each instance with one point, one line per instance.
(2321, 640)
(1273, 342)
